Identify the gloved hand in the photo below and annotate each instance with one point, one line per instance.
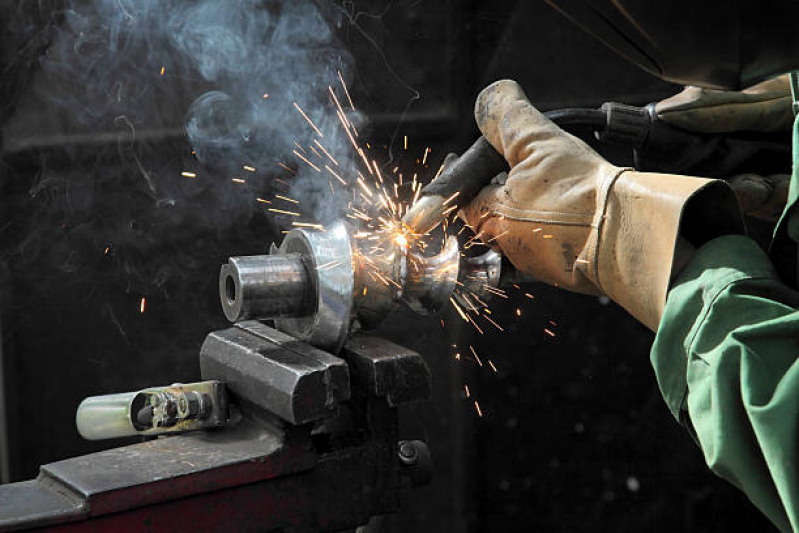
(765, 107)
(568, 217)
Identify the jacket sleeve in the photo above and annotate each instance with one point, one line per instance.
(725, 356)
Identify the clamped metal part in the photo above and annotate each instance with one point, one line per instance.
(154, 411)
(318, 282)
(306, 285)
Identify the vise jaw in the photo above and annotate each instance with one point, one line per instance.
(310, 443)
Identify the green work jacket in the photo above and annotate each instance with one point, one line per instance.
(726, 356)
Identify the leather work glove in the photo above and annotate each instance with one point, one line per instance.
(568, 217)
(762, 197)
(765, 107)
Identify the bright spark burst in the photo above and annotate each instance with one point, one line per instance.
(376, 203)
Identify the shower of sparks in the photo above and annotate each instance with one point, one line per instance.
(378, 193)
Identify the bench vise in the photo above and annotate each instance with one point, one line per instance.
(280, 436)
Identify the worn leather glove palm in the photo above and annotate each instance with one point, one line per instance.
(568, 217)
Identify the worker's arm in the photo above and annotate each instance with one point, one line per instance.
(726, 359)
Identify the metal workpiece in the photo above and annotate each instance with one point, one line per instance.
(317, 283)
(479, 274)
(378, 282)
(328, 255)
(430, 280)
(154, 411)
(266, 285)
(306, 285)
(388, 370)
(270, 371)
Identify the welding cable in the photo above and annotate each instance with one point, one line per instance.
(578, 116)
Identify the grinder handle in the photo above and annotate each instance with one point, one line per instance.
(466, 176)
(612, 123)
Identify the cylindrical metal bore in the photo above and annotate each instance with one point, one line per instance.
(266, 286)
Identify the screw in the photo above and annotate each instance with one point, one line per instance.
(408, 453)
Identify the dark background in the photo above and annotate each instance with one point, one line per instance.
(575, 435)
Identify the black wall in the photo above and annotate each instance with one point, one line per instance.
(574, 437)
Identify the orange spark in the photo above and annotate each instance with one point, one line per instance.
(308, 120)
(316, 141)
(454, 195)
(479, 362)
(282, 212)
(304, 159)
(285, 167)
(335, 175)
(349, 99)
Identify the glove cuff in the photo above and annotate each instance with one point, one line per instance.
(629, 254)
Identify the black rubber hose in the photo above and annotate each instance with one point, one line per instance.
(578, 116)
